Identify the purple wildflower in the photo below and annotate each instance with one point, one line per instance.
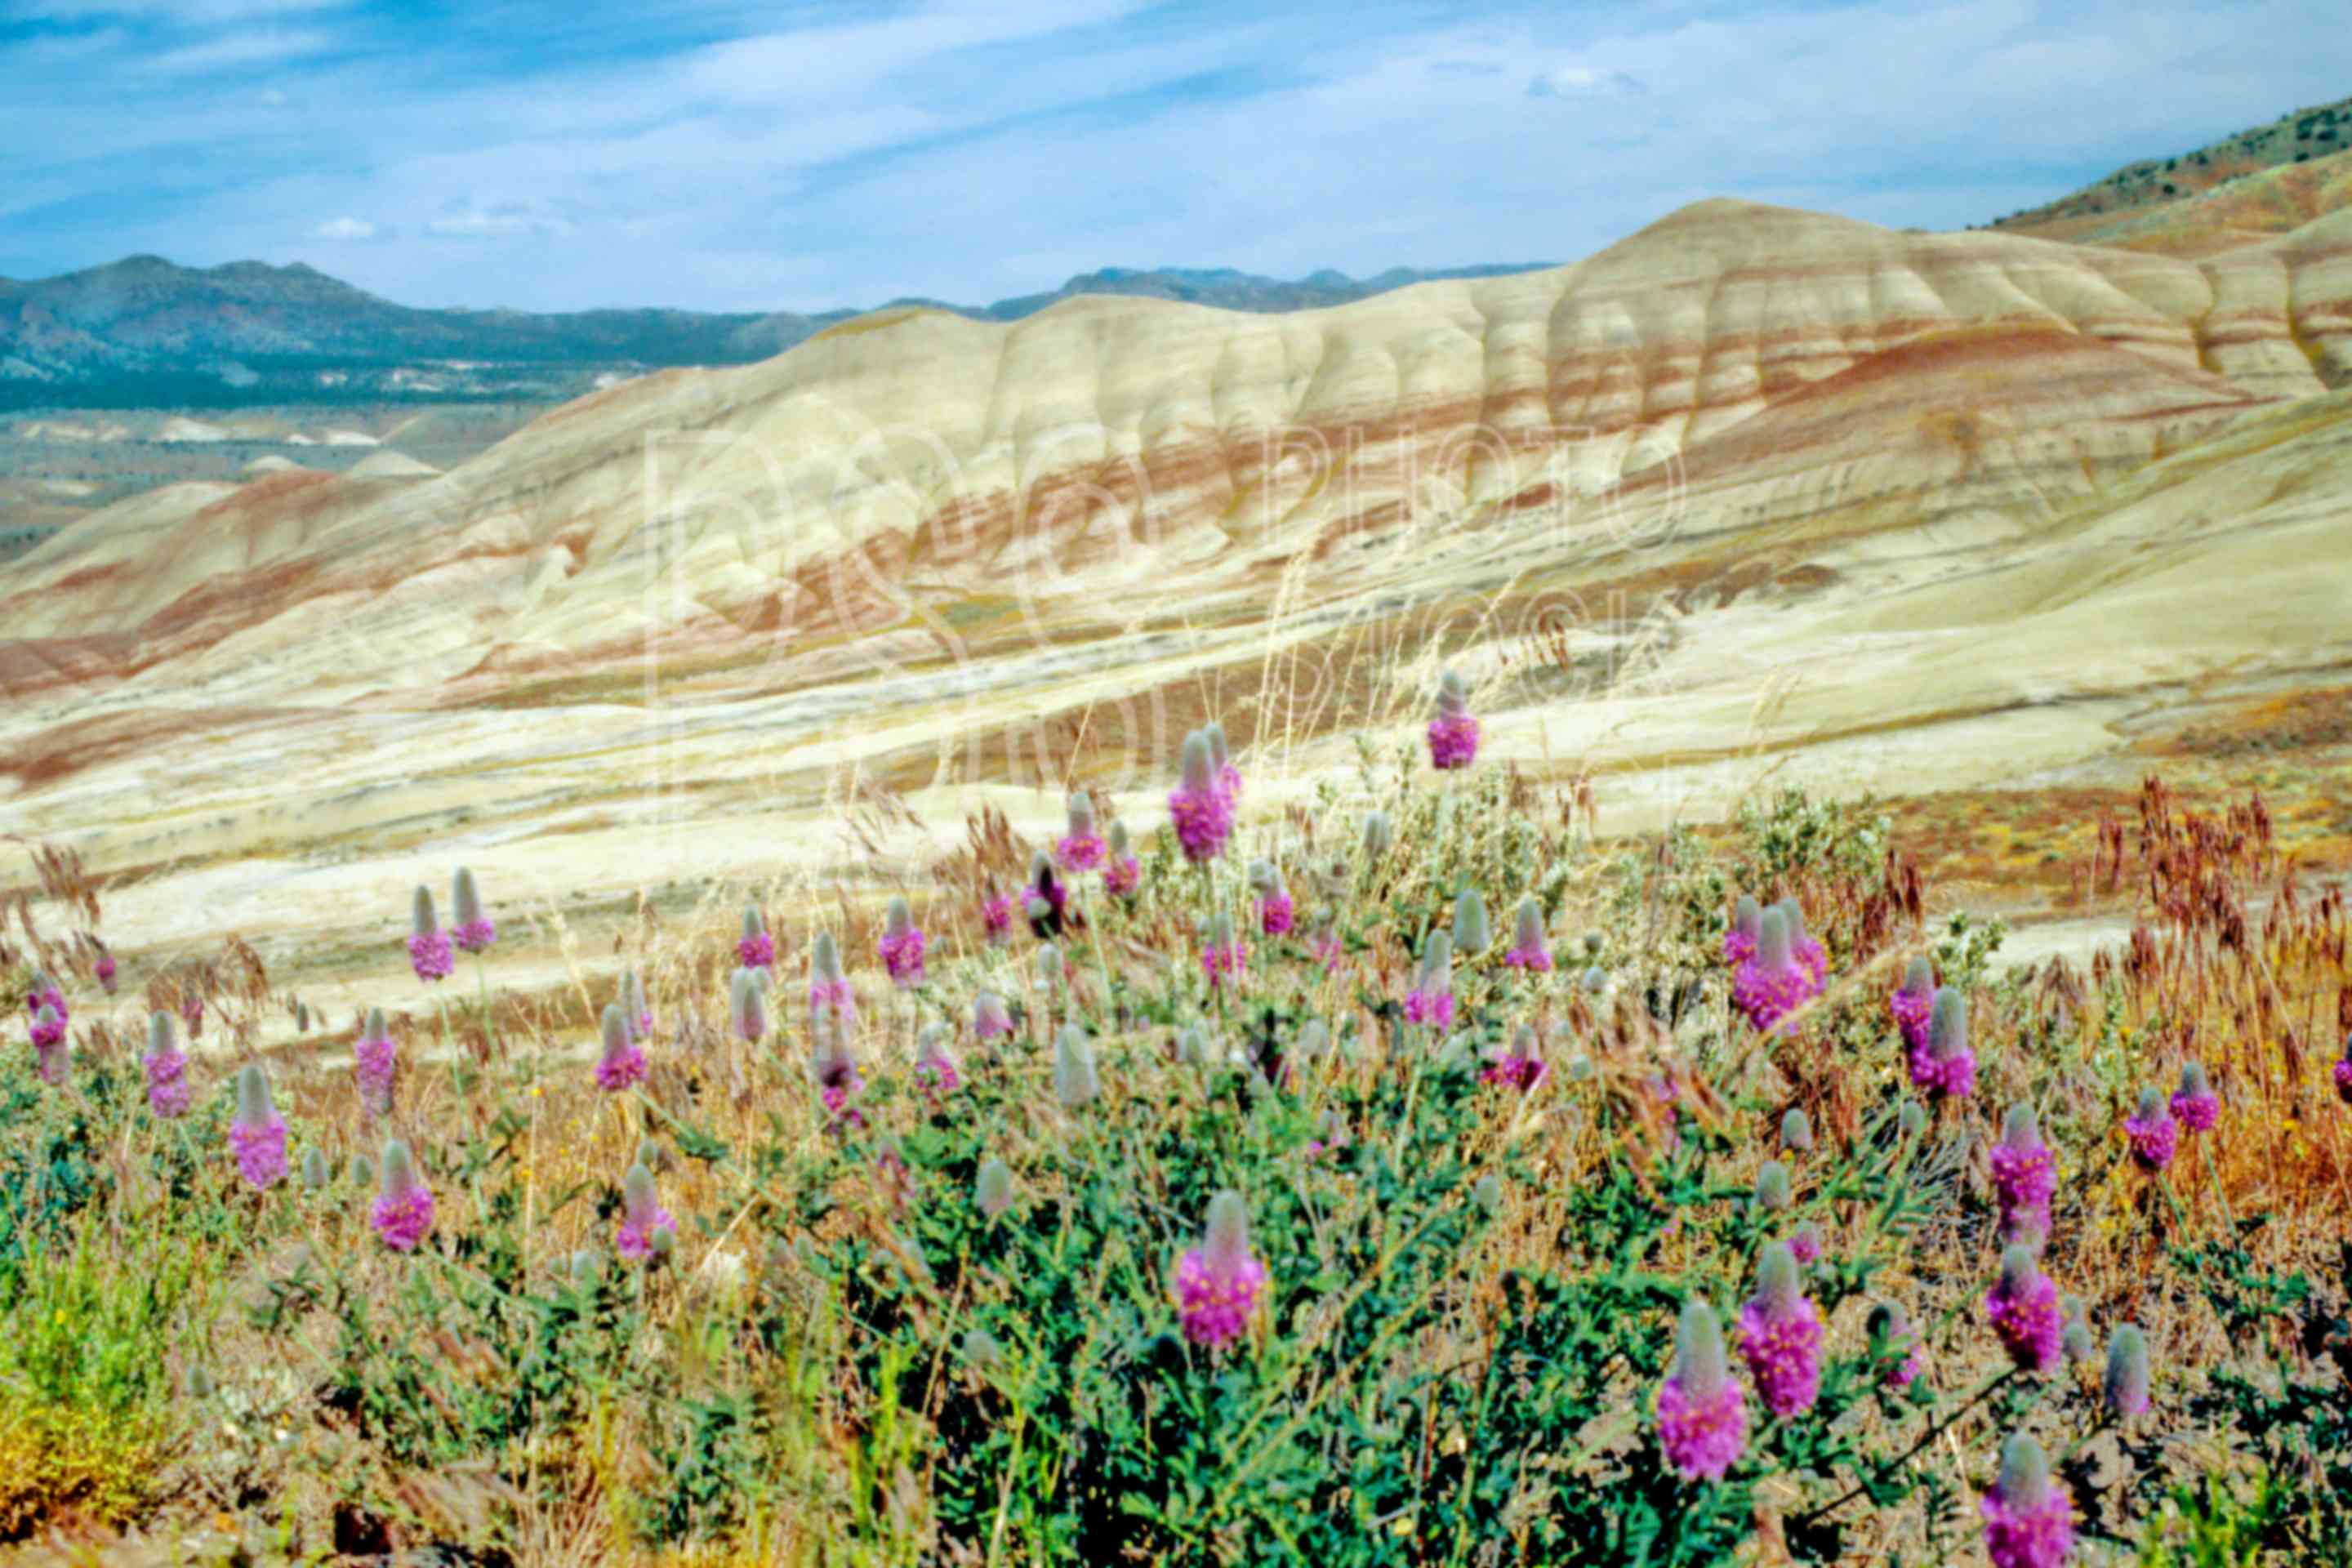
(756, 948)
(1702, 1414)
(1521, 1066)
(1046, 899)
(828, 986)
(1910, 1005)
(1201, 809)
(1946, 1068)
(1453, 732)
(1081, 849)
(747, 1003)
(2194, 1103)
(1219, 1283)
(934, 1065)
(838, 1080)
(167, 1068)
(1746, 925)
(1530, 949)
(2343, 1073)
(2023, 1177)
(2024, 1311)
(1805, 1244)
(996, 915)
(49, 1060)
(642, 1218)
(2153, 1133)
(989, 1017)
(474, 931)
(2029, 1520)
(1224, 953)
(1807, 952)
(374, 1063)
(192, 1013)
(1430, 1000)
(1780, 1335)
(45, 994)
(428, 944)
(622, 1061)
(257, 1135)
(104, 970)
(1771, 984)
(403, 1210)
(1274, 913)
(901, 944)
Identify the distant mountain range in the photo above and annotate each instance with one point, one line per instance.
(144, 332)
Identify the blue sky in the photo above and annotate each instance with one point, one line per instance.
(717, 155)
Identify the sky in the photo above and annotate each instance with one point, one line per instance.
(709, 154)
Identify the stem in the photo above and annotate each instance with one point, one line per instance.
(1934, 1431)
(2213, 1174)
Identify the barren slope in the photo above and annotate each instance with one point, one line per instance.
(1752, 486)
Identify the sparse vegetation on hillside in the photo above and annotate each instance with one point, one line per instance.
(2296, 138)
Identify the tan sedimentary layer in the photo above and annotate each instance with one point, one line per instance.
(1786, 488)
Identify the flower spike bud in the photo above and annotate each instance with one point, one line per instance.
(1947, 1023)
(1773, 945)
(1700, 1363)
(421, 919)
(2126, 1387)
(315, 1171)
(474, 931)
(1797, 1131)
(1214, 734)
(1075, 1081)
(1380, 833)
(747, 1004)
(1772, 1194)
(1199, 766)
(1779, 1283)
(992, 1191)
(1472, 933)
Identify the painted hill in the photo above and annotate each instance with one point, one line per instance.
(1966, 504)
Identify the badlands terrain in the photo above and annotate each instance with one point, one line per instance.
(1987, 523)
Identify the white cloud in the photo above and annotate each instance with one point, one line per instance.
(346, 228)
(1575, 81)
(234, 49)
(505, 222)
(982, 148)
